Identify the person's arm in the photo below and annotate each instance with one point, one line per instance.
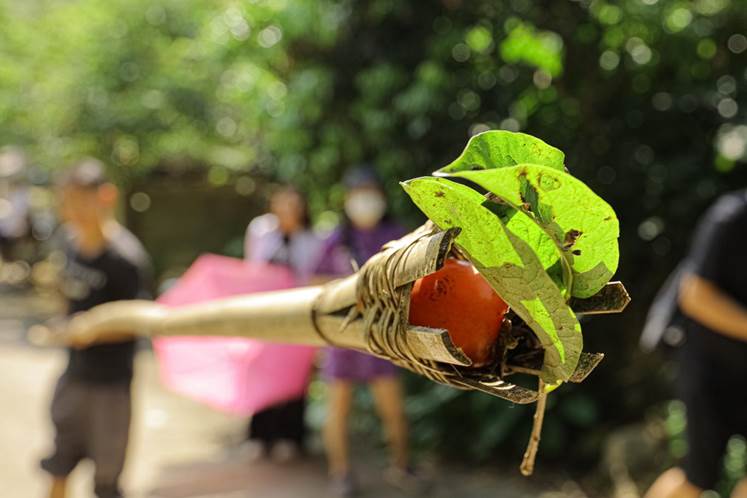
(327, 266)
(715, 263)
(703, 301)
(80, 341)
(261, 238)
(248, 243)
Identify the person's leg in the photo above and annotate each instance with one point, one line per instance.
(673, 484)
(740, 491)
(4, 249)
(259, 434)
(58, 488)
(336, 427)
(387, 392)
(288, 444)
(110, 412)
(286, 422)
(294, 423)
(67, 411)
(706, 399)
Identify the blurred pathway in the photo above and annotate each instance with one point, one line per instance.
(178, 448)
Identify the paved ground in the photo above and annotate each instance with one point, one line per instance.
(178, 448)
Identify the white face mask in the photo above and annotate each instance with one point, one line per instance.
(366, 208)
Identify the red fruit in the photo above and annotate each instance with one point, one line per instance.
(457, 298)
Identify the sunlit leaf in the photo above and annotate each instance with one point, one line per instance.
(511, 266)
(500, 149)
(583, 226)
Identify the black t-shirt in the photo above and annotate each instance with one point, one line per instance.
(719, 255)
(120, 271)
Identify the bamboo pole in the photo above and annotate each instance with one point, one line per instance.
(319, 315)
(367, 311)
(287, 316)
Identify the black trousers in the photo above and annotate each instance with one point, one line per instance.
(712, 376)
(284, 421)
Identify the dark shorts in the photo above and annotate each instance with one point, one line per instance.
(280, 422)
(716, 402)
(91, 421)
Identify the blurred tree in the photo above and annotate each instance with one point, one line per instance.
(647, 98)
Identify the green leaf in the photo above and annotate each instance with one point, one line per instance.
(541, 49)
(509, 264)
(582, 225)
(527, 229)
(479, 39)
(500, 149)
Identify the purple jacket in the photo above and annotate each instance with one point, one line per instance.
(342, 247)
(347, 244)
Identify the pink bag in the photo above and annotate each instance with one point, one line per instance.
(234, 375)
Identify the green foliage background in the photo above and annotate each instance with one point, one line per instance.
(647, 98)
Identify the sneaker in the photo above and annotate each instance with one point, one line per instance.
(251, 451)
(285, 451)
(408, 480)
(343, 486)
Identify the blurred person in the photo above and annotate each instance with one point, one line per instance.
(282, 237)
(14, 219)
(92, 400)
(361, 235)
(712, 298)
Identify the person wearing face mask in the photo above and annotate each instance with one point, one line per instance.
(282, 237)
(365, 229)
